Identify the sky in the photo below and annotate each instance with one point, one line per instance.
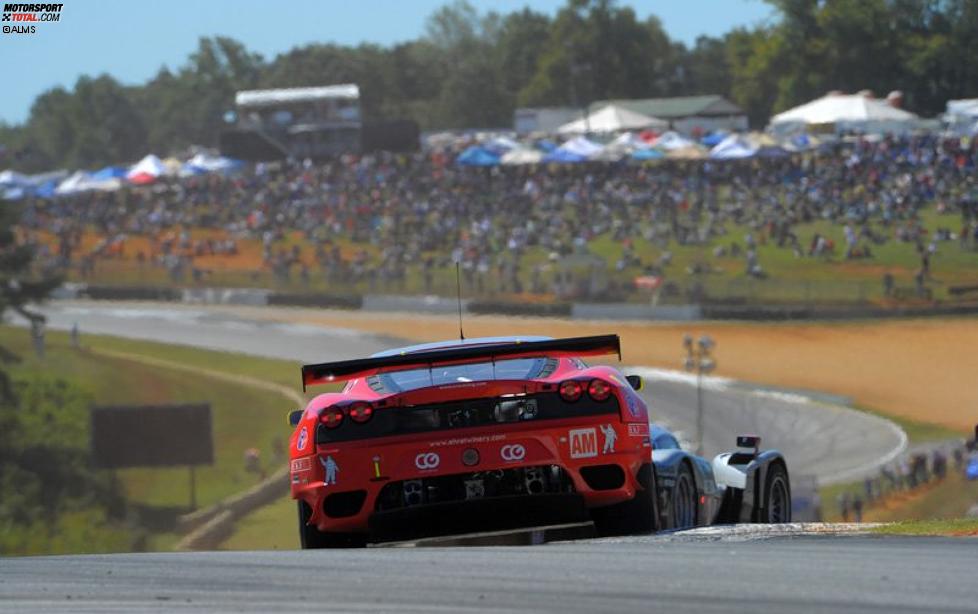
(131, 40)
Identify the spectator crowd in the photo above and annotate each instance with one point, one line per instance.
(422, 210)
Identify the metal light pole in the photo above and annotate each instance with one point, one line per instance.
(698, 359)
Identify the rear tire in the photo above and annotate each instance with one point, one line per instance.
(640, 516)
(777, 496)
(311, 538)
(683, 504)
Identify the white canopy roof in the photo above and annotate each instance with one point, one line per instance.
(854, 110)
(671, 140)
(967, 107)
(522, 155)
(580, 146)
(150, 166)
(733, 147)
(611, 118)
(258, 98)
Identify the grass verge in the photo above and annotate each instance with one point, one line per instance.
(243, 417)
(954, 527)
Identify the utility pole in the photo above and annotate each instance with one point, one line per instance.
(698, 359)
(573, 69)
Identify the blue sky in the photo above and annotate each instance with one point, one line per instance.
(131, 40)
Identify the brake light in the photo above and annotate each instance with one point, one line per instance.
(599, 390)
(571, 390)
(332, 417)
(361, 412)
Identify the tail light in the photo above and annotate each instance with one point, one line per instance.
(332, 417)
(571, 390)
(361, 412)
(599, 390)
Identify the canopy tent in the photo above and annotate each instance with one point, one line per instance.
(501, 144)
(961, 118)
(81, 181)
(714, 138)
(671, 140)
(648, 153)
(845, 112)
(622, 146)
(522, 155)
(147, 170)
(967, 107)
(612, 118)
(733, 147)
(477, 156)
(205, 163)
(689, 152)
(577, 149)
(13, 179)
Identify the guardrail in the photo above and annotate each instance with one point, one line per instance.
(511, 307)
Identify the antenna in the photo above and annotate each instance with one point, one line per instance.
(458, 288)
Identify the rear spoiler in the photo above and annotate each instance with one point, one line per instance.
(329, 372)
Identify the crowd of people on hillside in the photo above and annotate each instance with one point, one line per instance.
(909, 473)
(410, 206)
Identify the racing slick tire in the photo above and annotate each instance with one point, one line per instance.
(311, 538)
(640, 516)
(777, 496)
(683, 503)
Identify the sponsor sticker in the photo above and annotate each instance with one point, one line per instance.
(638, 430)
(513, 452)
(583, 443)
(331, 468)
(610, 437)
(303, 439)
(302, 465)
(427, 461)
(465, 440)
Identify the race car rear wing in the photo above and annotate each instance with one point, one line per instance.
(330, 372)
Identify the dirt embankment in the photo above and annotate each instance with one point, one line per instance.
(925, 370)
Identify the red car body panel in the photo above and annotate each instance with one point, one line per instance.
(621, 438)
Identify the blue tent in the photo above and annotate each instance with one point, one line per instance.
(477, 156)
(714, 138)
(545, 145)
(563, 156)
(647, 154)
(110, 172)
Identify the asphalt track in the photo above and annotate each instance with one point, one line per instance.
(826, 440)
(651, 574)
(715, 570)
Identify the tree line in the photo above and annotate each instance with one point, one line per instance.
(471, 70)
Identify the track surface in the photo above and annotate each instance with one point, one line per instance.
(681, 573)
(830, 442)
(842, 574)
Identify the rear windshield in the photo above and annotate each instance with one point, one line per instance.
(517, 368)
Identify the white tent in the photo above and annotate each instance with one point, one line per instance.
(967, 107)
(580, 146)
(733, 147)
(961, 118)
(522, 155)
(612, 119)
(623, 145)
(81, 181)
(146, 170)
(671, 140)
(846, 112)
(13, 179)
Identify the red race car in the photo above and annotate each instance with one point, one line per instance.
(499, 433)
